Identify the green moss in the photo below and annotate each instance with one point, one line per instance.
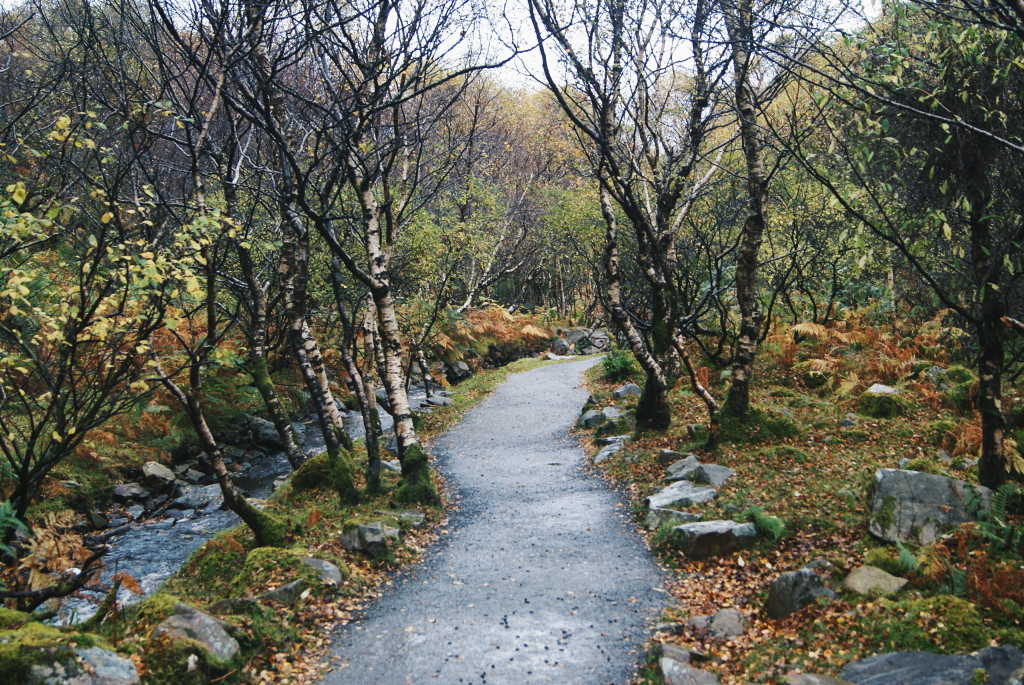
(960, 397)
(960, 374)
(886, 514)
(856, 435)
(909, 624)
(314, 473)
(342, 479)
(416, 487)
(924, 466)
(885, 558)
(211, 568)
(759, 425)
(767, 526)
(266, 565)
(35, 643)
(937, 431)
(882, 406)
(787, 453)
(10, 618)
(180, 661)
(623, 425)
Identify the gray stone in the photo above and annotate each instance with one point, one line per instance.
(627, 390)
(813, 679)
(656, 518)
(196, 497)
(590, 419)
(71, 484)
(413, 518)
(329, 573)
(728, 624)
(457, 372)
(90, 666)
(211, 633)
(192, 476)
(666, 457)
(288, 593)
(611, 440)
(136, 511)
(910, 506)
(678, 652)
(682, 466)
(371, 538)
(676, 672)
(793, 591)
(439, 400)
(681, 494)
(129, 491)
(880, 389)
(699, 622)
(944, 457)
(713, 538)
(97, 519)
(264, 434)
(871, 581)
(610, 414)
(607, 452)
(560, 346)
(392, 465)
(848, 423)
(925, 668)
(711, 474)
(299, 433)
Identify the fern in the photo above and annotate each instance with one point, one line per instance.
(956, 582)
(993, 524)
(9, 523)
(906, 561)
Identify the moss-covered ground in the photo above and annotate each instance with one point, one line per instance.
(807, 457)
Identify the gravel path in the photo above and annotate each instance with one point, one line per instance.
(539, 579)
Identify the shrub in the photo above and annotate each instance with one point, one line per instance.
(940, 432)
(618, 365)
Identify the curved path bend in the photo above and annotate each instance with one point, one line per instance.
(539, 579)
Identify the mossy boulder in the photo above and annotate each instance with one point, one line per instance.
(881, 405)
(272, 566)
(314, 473)
(616, 423)
(961, 396)
(35, 652)
(11, 619)
(938, 432)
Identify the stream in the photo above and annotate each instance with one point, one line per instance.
(152, 549)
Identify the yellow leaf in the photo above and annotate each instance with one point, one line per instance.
(107, 217)
(56, 436)
(18, 193)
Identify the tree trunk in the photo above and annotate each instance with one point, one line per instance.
(652, 411)
(737, 22)
(293, 272)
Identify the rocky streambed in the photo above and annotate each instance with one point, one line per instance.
(159, 521)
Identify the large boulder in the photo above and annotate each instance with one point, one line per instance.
(871, 581)
(608, 451)
(616, 422)
(591, 418)
(88, 666)
(156, 476)
(910, 506)
(329, 573)
(681, 469)
(561, 347)
(211, 633)
(925, 668)
(793, 591)
(713, 538)
(681, 494)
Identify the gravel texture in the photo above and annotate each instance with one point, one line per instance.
(540, 577)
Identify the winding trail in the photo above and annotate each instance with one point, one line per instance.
(539, 579)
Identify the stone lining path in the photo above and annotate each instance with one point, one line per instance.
(540, 578)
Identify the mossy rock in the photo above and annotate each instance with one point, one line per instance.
(622, 425)
(885, 558)
(151, 610)
(758, 425)
(882, 406)
(960, 397)
(960, 374)
(11, 619)
(924, 466)
(264, 566)
(938, 431)
(213, 566)
(180, 661)
(35, 643)
(314, 473)
(786, 453)
(911, 624)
